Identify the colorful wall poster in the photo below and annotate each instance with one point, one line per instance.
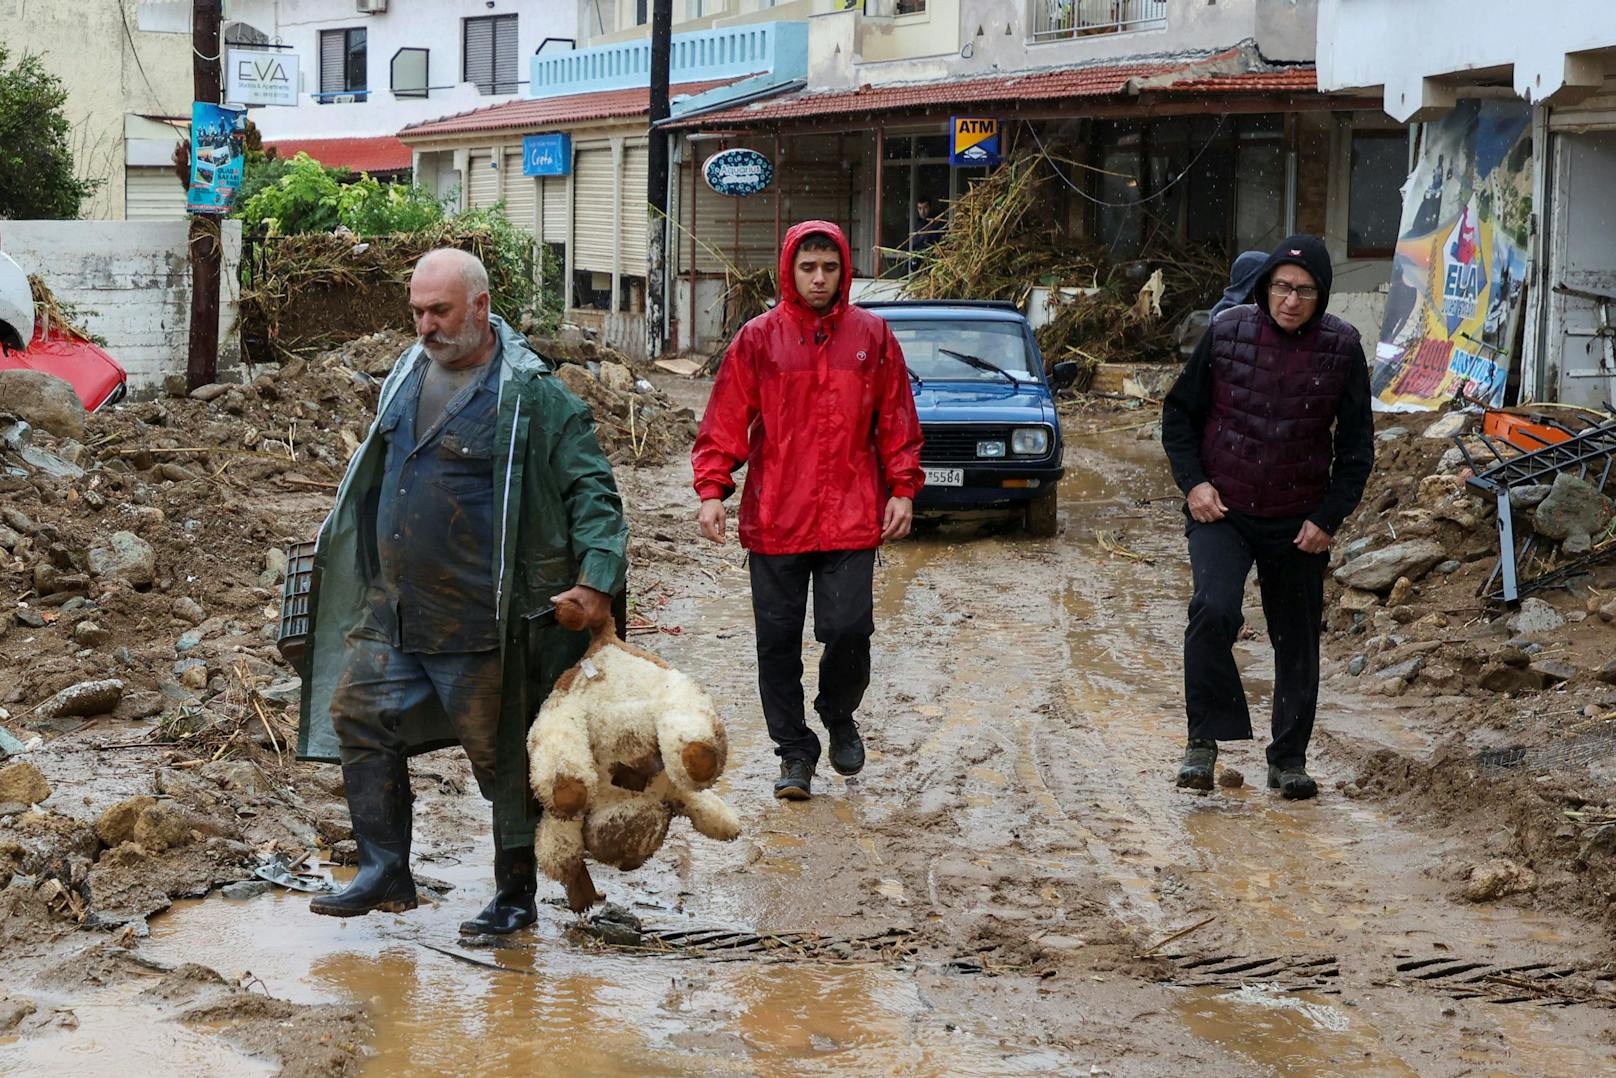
(1459, 272)
(217, 156)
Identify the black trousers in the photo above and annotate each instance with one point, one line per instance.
(1292, 583)
(844, 621)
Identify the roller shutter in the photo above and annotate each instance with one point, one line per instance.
(636, 168)
(595, 200)
(152, 194)
(556, 208)
(519, 196)
(482, 182)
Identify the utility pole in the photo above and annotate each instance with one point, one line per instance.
(202, 361)
(656, 235)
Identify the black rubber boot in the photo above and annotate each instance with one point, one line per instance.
(1293, 783)
(796, 780)
(846, 747)
(1195, 773)
(515, 883)
(379, 801)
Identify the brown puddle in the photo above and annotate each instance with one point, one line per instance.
(557, 1007)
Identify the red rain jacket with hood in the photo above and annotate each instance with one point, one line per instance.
(818, 407)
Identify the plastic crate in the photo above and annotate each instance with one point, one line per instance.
(297, 603)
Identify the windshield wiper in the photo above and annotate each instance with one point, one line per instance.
(980, 364)
(915, 378)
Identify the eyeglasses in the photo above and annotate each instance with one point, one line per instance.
(1282, 291)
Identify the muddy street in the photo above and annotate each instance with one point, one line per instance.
(1012, 886)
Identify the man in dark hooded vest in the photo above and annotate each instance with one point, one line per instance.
(1271, 439)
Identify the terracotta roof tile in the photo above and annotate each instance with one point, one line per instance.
(538, 113)
(1065, 83)
(382, 153)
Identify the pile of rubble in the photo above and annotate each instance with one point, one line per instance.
(635, 422)
(1406, 609)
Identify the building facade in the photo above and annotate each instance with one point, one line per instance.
(126, 67)
(1422, 61)
(370, 67)
(1190, 122)
(591, 106)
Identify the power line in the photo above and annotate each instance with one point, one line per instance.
(1216, 131)
(129, 36)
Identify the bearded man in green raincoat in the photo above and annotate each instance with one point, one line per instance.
(478, 500)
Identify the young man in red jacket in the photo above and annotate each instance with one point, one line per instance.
(813, 397)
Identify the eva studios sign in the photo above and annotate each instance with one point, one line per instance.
(260, 77)
(738, 172)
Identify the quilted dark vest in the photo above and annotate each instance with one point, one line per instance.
(1267, 444)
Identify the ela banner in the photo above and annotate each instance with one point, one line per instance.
(1457, 278)
(217, 151)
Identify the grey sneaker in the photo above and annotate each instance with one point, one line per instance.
(1293, 783)
(1195, 773)
(795, 781)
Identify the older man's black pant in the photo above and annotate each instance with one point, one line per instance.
(844, 621)
(1292, 584)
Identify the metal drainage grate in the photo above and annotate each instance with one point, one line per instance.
(1294, 973)
(1534, 982)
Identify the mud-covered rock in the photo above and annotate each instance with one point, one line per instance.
(125, 556)
(21, 782)
(1495, 879)
(44, 400)
(1574, 507)
(1535, 616)
(1379, 570)
(1497, 677)
(85, 699)
(117, 824)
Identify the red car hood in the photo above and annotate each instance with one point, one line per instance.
(95, 376)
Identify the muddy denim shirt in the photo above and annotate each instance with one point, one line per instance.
(435, 523)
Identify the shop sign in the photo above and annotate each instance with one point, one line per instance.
(260, 77)
(974, 142)
(738, 172)
(547, 155)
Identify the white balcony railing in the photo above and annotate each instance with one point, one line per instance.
(1060, 20)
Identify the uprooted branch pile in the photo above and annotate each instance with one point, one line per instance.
(302, 294)
(1002, 241)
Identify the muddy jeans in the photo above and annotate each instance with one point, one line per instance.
(1292, 584)
(844, 621)
(380, 684)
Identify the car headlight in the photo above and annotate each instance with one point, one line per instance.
(1030, 441)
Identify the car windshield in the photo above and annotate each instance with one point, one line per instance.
(926, 345)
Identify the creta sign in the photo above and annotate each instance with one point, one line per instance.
(738, 172)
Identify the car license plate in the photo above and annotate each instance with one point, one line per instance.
(945, 477)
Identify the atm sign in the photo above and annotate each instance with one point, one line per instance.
(975, 141)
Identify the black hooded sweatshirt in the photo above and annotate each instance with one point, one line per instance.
(1185, 410)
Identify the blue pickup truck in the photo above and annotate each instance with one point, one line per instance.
(993, 440)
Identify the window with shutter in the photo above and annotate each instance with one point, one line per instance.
(342, 63)
(488, 48)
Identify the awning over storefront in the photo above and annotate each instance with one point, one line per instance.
(382, 153)
(1235, 71)
(551, 113)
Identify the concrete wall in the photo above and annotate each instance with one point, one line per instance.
(434, 26)
(1421, 53)
(132, 281)
(92, 47)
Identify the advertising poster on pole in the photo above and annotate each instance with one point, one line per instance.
(1458, 276)
(217, 156)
